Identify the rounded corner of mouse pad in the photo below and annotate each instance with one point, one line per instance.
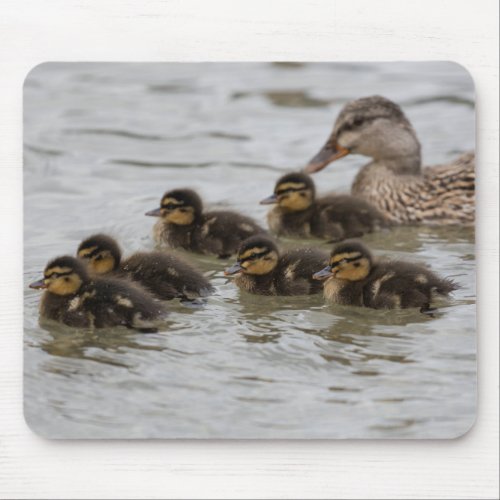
(249, 250)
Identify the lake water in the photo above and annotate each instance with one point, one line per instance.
(102, 144)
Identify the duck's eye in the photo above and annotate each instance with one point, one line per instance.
(357, 264)
(98, 257)
(302, 194)
(357, 121)
(169, 206)
(253, 255)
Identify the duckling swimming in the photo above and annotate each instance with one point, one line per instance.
(184, 224)
(336, 217)
(73, 298)
(353, 277)
(262, 270)
(165, 276)
(394, 180)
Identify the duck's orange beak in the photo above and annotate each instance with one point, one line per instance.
(331, 151)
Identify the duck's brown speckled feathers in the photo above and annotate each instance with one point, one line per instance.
(394, 182)
(354, 277)
(165, 276)
(96, 302)
(215, 232)
(394, 284)
(333, 217)
(289, 273)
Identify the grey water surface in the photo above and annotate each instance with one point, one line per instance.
(102, 144)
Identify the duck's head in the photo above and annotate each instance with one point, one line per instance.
(63, 276)
(101, 252)
(180, 206)
(371, 126)
(256, 255)
(293, 192)
(349, 260)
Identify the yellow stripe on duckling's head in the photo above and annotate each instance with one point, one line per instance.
(294, 192)
(101, 252)
(180, 207)
(258, 255)
(65, 275)
(351, 261)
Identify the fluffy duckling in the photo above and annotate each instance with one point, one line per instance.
(336, 217)
(262, 270)
(184, 224)
(353, 277)
(73, 298)
(394, 180)
(165, 276)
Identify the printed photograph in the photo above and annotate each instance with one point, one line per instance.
(249, 250)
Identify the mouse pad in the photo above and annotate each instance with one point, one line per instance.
(249, 250)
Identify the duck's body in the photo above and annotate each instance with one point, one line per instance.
(263, 271)
(75, 299)
(217, 233)
(440, 195)
(165, 276)
(183, 224)
(395, 182)
(298, 213)
(354, 278)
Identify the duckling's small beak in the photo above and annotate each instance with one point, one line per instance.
(37, 285)
(269, 200)
(234, 269)
(154, 213)
(323, 274)
(331, 151)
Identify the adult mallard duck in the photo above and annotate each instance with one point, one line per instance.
(394, 180)
(184, 224)
(74, 298)
(261, 270)
(298, 212)
(354, 277)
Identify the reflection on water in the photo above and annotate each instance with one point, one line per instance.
(102, 144)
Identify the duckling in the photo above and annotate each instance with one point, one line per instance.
(165, 276)
(353, 277)
(262, 270)
(184, 224)
(74, 298)
(335, 217)
(394, 180)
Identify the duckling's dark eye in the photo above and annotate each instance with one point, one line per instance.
(253, 255)
(357, 264)
(302, 194)
(98, 257)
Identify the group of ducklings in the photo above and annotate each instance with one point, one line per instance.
(98, 288)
